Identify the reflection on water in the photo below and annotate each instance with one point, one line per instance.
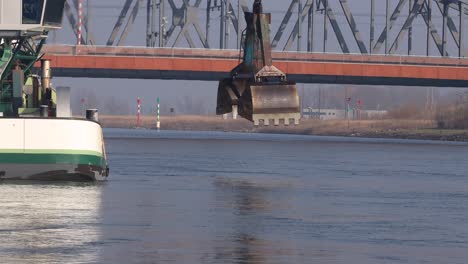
(48, 223)
(241, 199)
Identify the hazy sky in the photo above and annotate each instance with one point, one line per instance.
(104, 14)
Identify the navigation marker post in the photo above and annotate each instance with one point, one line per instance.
(348, 109)
(138, 112)
(158, 114)
(80, 21)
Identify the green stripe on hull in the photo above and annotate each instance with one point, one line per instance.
(49, 158)
(50, 151)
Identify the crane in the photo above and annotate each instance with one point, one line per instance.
(24, 27)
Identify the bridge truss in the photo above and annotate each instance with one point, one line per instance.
(390, 23)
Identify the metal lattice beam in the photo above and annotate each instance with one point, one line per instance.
(352, 24)
(190, 13)
(119, 23)
(130, 22)
(170, 22)
(392, 20)
(295, 33)
(408, 22)
(432, 30)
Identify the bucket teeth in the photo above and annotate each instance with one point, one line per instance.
(277, 119)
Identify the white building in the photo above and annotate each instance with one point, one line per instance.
(340, 114)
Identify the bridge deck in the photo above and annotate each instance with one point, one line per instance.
(201, 64)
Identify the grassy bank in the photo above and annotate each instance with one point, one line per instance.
(406, 129)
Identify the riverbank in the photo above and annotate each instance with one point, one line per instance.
(404, 129)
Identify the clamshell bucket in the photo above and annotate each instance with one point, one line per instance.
(227, 97)
(269, 103)
(258, 90)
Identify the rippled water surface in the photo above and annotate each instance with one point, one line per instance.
(192, 197)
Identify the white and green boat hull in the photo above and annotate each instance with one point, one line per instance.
(51, 149)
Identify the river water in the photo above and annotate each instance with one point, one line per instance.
(196, 197)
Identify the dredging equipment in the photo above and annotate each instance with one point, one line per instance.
(256, 89)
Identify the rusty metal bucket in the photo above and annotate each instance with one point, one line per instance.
(227, 97)
(270, 102)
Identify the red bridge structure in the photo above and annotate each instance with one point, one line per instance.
(212, 65)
